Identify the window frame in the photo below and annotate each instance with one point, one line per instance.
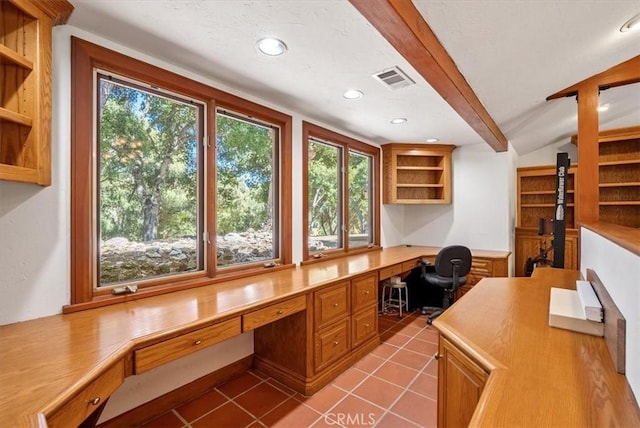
(347, 144)
(85, 57)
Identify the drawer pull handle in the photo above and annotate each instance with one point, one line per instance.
(197, 342)
(367, 292)
(95, 401)
(335, 305)
(336, 342)
(367, 325)
(437, 356)
(280, 312)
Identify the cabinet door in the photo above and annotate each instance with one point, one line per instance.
(460, 384)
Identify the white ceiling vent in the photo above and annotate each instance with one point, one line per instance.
(394, 78)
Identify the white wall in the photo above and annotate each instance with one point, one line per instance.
(619, 270)
(482, 214)
(547, 154)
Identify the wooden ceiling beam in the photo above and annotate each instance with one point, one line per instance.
(625, 73)
(404, 27)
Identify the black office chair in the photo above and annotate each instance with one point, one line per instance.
(448, 272)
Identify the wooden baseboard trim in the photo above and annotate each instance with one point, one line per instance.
(172, 399)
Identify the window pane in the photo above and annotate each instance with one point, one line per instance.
(324, 196)
(360, 209)
(246, 207)
(148, 183)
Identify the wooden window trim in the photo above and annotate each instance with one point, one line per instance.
(86, 56)
(310, 130)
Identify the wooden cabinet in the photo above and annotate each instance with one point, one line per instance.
(529, 243)
(619, 176)
(171, 349)
(88, 400)
(25, 79)
(460, 383)
(308, 349)
(417, 174)
(345, 317)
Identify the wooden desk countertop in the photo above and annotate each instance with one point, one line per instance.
(48, 359)
(539, 376)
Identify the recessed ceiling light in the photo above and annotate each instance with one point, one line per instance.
(398, 120)
(271, 46)
(631, 24)
(432, 140)
(604, 107)
(352, 94)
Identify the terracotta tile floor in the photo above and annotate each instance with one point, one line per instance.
(393, 386)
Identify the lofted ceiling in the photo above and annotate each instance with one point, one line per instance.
(513, 54)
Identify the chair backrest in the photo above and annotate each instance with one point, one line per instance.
(443, 264)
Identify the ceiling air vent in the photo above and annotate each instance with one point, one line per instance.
(394, 78)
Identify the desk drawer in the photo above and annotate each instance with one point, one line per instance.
(172, 349)
(330, 304)
(331, 344)
(363, 326)
(407, 266)
(76, 410)
(390, 271)
(272, 313)
(363, 292)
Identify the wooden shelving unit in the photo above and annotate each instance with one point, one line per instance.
(25, 79)
(417, 174)
(536, 199)
(619, 176)
(536, 195)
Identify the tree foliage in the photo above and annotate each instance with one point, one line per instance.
(244, 172)
(148, 165)
(148, 171)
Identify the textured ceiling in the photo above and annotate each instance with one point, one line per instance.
(513, 54)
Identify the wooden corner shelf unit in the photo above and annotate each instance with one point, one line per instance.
(417, 174)
(25, 79)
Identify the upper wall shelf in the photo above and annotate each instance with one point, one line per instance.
(417, 173)
(25, 79)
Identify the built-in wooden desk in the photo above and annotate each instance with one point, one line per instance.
(501, 365)
(309, 323)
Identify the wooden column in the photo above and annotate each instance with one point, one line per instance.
(587, 191)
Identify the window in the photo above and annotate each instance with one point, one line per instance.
(174, 183)
(245, 181)
(149, 182)
(340, 182)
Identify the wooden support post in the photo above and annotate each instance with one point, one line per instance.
(587, 190)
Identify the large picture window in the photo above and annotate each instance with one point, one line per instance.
(174, 184)
(341, 187)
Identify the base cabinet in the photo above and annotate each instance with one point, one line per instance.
(339, 326)
(460, 383)
(530, 244)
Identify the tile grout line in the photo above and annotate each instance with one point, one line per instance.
(230, 400)
(405, 389)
